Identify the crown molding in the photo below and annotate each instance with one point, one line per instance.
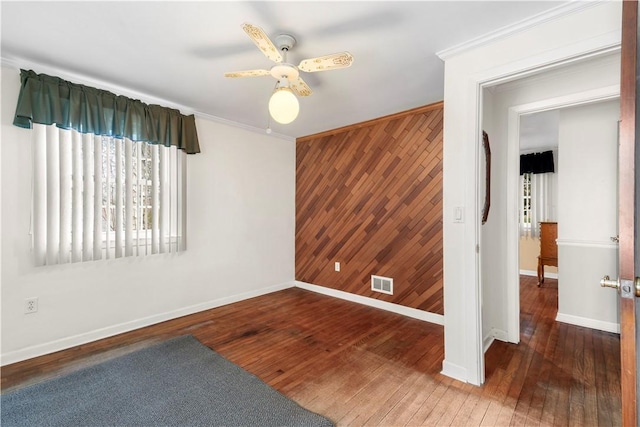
(254, 129)
(19, 63)
(517, 27)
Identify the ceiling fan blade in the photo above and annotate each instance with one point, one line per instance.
(300, 87)
(248, 73)
(328, 62)
(262, 41)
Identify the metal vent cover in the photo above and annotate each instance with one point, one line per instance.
(382, 284)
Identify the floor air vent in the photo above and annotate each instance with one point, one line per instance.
(382, 284)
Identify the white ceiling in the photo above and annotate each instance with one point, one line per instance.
(539, 131)
(178, 51)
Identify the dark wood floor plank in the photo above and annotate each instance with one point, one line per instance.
(576, 393)
(563, 407)
(405, 410)
(362, 366)
(463, 416)
(429, 404)
(383, 410)
(611, 351)
(590, 394)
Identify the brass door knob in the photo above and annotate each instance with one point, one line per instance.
(606, 282)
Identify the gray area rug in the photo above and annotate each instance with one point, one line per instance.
(179, 382)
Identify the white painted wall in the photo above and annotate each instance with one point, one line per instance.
(240, 243)
(588, 140)
(588, 215)
(490, 250)
(592, 29)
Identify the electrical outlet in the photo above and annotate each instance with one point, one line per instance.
(337, 266)
(30, 305)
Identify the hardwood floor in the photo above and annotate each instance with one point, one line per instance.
(362, 366)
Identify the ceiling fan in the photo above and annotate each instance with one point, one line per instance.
(283, 105)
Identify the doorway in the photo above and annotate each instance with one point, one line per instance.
(587, 82)
(538, 193)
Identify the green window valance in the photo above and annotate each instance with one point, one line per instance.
(47, 100)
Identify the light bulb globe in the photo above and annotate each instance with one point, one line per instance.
(284, 106)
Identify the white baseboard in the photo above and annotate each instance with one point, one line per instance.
(589, 323)
(72, 341)
(602, 244)
(500, 335)
(372, 302)
(454, 371)
(494, 334)
(68, 342)
(535, 274)
(487, 341)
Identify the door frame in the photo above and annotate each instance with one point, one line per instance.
(467, 70)
(512, 200)
(477, 374)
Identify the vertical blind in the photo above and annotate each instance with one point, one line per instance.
(100, 197)
(540, 207)
(537, 189)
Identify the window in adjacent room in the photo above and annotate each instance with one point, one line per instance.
(525, 201)
(537, 189)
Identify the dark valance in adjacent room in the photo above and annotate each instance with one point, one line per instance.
(50, 100)
(537, 163)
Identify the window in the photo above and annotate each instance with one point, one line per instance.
(537, 191)
(98, 197)
(525, 208)
(536, 202)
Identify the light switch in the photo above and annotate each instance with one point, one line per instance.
(458, 214)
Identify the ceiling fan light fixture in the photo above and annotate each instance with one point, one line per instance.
(283, 105)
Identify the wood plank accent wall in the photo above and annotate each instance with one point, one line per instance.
(370, 197)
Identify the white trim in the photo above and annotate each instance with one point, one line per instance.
(602, 244)
(608, 43)
(454, 371)
(589, 323)
(494, 334)
(580, 98)
(487, 341)
(68, 342)
(500, 335)
(535, 274)
(20, 63)
(534, 79)
(515, 28)
(372, 302)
